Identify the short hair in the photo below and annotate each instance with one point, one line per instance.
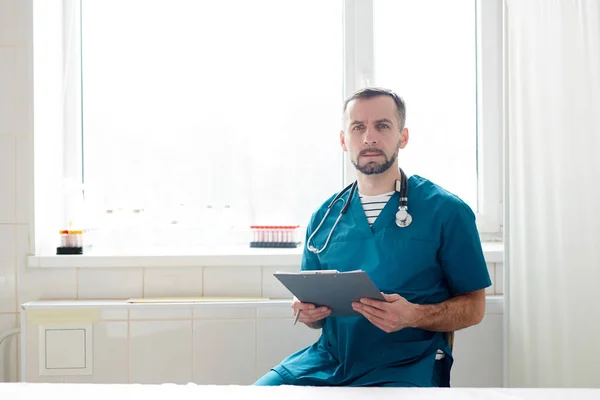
(370, 92)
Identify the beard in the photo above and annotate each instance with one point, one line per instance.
(373, 168)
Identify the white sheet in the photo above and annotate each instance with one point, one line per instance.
(27, 391)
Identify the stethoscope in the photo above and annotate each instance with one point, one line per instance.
(403, 218)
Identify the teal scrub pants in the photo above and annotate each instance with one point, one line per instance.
(272, 378)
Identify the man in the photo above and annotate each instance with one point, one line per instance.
(432, 272)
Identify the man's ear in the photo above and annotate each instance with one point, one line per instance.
(343, 141)
(403, 138)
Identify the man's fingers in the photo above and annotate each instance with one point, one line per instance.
(375, 320)
(365, 309)
(391, 297)
(316, 312)
(314, 315)
(382, 305)
(309, 312)
(308, 308)
(303, 306)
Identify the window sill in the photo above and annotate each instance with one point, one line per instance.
(214, 257)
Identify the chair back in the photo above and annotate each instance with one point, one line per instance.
(450, 339)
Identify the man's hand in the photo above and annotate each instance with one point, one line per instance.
(309, 314)
(458, 312)
(392, 315)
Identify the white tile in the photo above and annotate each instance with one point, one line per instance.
(499, 278)
(7, 88)
(272, 288)
(169, 282)
(41, 283)
(232, 281)
(111, 358)
(160, 313)
(23, 89)
(7, 174)
(8, 350)
(224, 352)
(160, 352)
(276, 312)
(47, 284)
(23, 22)
(8, 269)
(491, 270)
(7, 22)
(106, 283)
(114, 314)
(24, 179)
(277, 339)
(224, 312)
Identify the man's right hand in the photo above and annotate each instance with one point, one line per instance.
(310, 315)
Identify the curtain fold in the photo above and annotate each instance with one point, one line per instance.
(552, 71)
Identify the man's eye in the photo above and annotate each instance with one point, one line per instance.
(383, 126)
(357, 128)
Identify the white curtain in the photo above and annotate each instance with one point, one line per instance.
(552, 230)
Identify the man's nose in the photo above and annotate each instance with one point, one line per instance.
(370, 137)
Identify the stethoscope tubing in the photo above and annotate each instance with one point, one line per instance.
(403, 218)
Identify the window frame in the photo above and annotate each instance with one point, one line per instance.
(359, 71)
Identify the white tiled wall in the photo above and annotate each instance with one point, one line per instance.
(19, 284)
(158, 281)
(15, 163)
(103, 283)
(232, 281)
(8, 351)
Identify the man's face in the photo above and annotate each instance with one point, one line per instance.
(372, 135)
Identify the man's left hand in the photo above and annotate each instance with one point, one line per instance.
(392, 315)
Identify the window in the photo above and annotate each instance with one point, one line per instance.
(211, 115)
(430, 58)
(185, 122)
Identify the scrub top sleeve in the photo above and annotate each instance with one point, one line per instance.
(310, 261)
(461, 255)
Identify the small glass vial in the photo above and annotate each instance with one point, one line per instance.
(64, 238)
(76, 238)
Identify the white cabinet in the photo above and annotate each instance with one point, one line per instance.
(478, 354)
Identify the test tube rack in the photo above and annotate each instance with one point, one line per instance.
(71, 241)
(273, 236)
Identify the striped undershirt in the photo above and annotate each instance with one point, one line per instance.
(374, 204)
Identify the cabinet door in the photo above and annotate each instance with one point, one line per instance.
(224, 352)
(278, 337)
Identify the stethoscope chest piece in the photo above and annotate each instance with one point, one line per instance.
(403, 218)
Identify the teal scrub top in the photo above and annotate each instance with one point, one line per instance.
(436, 257)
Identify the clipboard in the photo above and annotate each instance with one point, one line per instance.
(336, 290)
